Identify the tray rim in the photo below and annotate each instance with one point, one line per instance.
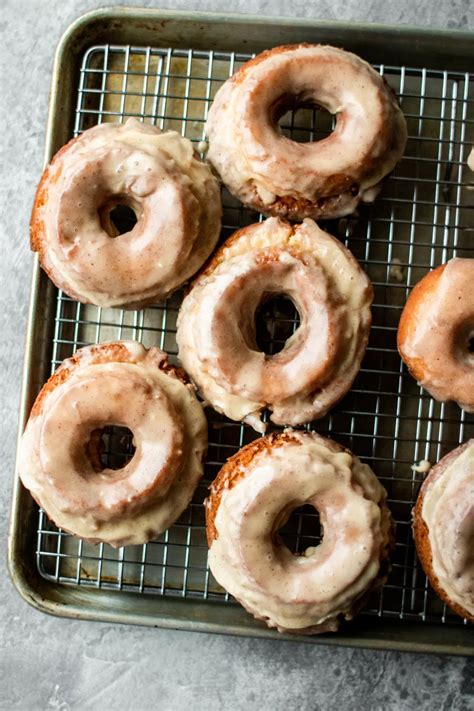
(90, 603)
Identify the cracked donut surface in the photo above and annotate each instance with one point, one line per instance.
(155, 174)
(251, 499)
(121, 384)
(443, 525)
(217, 332)
(320, 179)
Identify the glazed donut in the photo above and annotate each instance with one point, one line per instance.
(322, 179)
(117, 383)
(253, 497)
(443, 527)
(436, 331)
(216, 323)
(173, 194)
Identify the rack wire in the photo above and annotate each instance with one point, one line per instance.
(423, 217)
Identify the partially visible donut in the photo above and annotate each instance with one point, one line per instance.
(470, 160)
(436, 333)
(321, 179)
(443, 527)
(252, 498)
(156, 174)
(217, 333)
(118, 383)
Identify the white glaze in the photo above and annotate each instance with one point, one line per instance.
(255, 161)
(448, 511)
(132, 504)
(318, 363)
(314, 589)
(176, 199)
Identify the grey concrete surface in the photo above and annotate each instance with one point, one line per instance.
(49, 663)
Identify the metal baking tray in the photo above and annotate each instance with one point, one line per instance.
(165, 67)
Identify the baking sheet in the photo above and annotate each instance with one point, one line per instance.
(423, 217)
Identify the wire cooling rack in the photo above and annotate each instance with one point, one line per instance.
(423, 217)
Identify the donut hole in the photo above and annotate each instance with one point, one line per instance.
(302, 531)
(304, 121)
(463, 343)
(123, 218)
(110, 447)
(276, 320)
(118, 216)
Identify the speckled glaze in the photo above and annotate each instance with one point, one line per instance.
(321, 179)
(173, 194)
(436, 328)
(252, 498)
(123, 384)
(444, 528)
(315, 369)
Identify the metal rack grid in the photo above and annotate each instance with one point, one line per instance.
(423, 217)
